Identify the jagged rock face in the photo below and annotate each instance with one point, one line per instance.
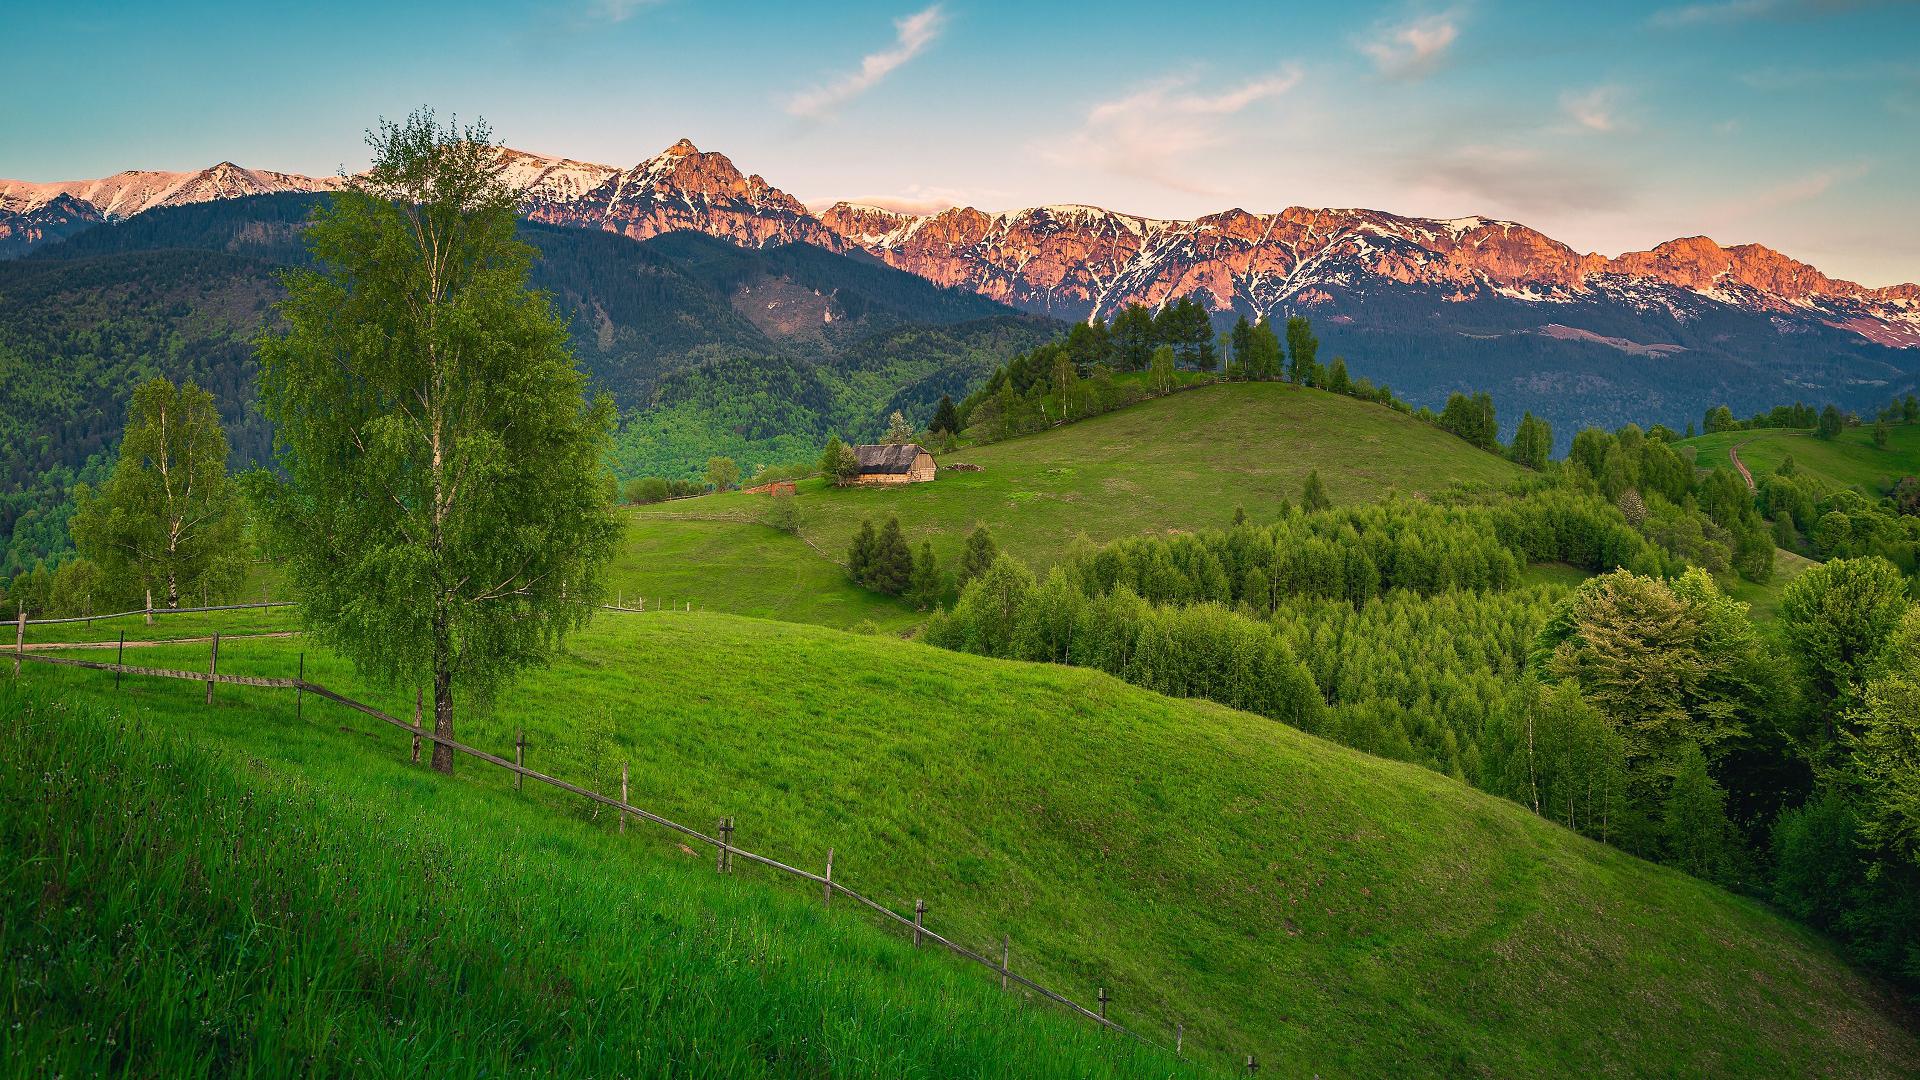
(685, 189)
(1076, 261)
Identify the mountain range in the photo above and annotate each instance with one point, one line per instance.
(1076, 261)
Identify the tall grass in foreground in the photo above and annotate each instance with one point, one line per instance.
(178, 911)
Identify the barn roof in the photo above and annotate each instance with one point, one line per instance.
(887, 457)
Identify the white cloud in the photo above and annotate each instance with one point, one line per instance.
(1413, 49)
(1154, 132)
(616, 11)
(1597, 109)
(912, 34)
(1707, 14)
(1792, 192)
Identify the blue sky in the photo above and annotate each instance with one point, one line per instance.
(1794, 123)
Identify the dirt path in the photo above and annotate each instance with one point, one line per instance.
(1734, 453)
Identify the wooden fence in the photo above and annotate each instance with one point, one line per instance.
(725, 851)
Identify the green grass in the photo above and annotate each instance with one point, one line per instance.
(1334, 913)
(1848, 460)
(744, 568)
(319, 909)
(1181, 462)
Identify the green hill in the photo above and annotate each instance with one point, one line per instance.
(1848, 460)
(1176, 463)
(1334, 913)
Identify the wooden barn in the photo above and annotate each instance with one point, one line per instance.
(893, 463)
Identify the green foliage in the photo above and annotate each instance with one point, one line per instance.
(1831, 423)
(837, 461)
(946, 419)
(444, 510)
(722, 473)
(925, 588)
(168, 519)
(1472, 418)
(890, 565)
(978, 555)
(1695, 819)
(1302, 348)
(1839, 619)
(1313, 496)
(1532, 442)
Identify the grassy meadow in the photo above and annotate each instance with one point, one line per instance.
(1848, 460)
(1181, 462)
(1335, 913)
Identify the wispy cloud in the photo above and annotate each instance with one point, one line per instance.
(912, 34)
(1154, 132)
(1793, 192)
(1511, 181)
(1413, 49)
(1723, 12)
(618, 11)
(1596, 109)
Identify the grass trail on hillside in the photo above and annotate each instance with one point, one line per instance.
(1848, 460)
(181, 912)
(1334, 913)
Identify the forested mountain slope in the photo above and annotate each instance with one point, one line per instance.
(706, 347)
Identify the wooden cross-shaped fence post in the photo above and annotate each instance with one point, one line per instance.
(1006, 949)
(1103, 1003)
(1252, 1065)
(826, 889)
(419, 697)
(919, 914)
(520, 756)
(723, 860)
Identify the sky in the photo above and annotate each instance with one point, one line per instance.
(1610, 126)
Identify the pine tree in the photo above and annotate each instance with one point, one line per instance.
(946, 419)
(1314, 497)
(1337, 380)
(1133, 337)
(1881, 434)
(1240, 344)
(899, 431)
(924, 589)
(860, 554)
(890, 569)
(978, 554)
(1695, 817)
(1831, 421)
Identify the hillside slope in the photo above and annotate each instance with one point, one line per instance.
(1848, 460)
(1334, 913)
(1180, 462)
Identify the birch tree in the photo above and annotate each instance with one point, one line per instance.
(444, 509)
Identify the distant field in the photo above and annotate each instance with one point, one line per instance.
(1849, 460)
(1181, 462)
(1334, 913)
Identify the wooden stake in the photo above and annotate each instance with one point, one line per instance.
(919, 913)
(722, 863)
(1103, 1003)
(623, 796)
(520, 755)
(419, 697)
(19, 640)
(1006, 949)
(119, 661)
(300, 691)
(826, 890)
(1252, 1065)
(1179, 1038)
(213, 665)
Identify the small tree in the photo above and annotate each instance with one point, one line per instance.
(977, 555)
(1302, 347)
(722, 473)
(838, 463)
(444, 511)
(1314, 496)
(1831, 421)
(782, 514)
(924, 588)
(1160, 369)
(1882, 434)
(898, 430)
(946, 418)
(1838, 618)
(891, 568)
(860, 553)
(169, 517)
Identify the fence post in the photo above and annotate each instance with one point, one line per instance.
(1103, 1002)
(724, 860)
(419, 696)
(919, 913)
(1252, 1065)
(300, 688)
(623, 796)
(1006, 949)
(213, 665)
(520, 757)
(119, 661)
(19, 640)
(1179, 1038)
(826, 890)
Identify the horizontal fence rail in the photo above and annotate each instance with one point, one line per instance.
(250, 607)
(723, 845)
